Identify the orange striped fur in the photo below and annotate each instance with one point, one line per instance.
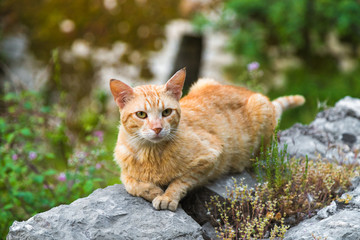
(283, 103)
(208, 133)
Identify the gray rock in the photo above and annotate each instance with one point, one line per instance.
(354, 195)
(109, 213)
(209, 231)
(226, 183)
(334, 134)
(342, 225)
(331, 209)
(351, 104)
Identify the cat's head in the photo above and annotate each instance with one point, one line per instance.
(150, 113)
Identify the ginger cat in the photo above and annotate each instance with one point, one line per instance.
(167, 146)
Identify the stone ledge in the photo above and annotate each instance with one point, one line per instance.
(334, 134)
(109, 213)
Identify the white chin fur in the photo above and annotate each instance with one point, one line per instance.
(156, 140)
(152, 137)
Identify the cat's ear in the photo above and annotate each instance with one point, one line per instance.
(122, 93)
(176, 83)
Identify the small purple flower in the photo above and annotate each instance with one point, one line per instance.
(62, 177)
(14, 157)
(98, 165)
(253, 66)
(99, 135)
(32, 155)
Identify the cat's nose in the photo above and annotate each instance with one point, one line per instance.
(157, 130)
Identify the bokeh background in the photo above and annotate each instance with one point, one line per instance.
(58, 122)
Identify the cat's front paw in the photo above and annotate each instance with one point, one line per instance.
(148, 191)
(151, 193)
(163, 202)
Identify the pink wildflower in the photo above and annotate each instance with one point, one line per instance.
(14, 157)
(99, 135)
(32, 155)
(98, 165)
(253, 66)
(62, 177)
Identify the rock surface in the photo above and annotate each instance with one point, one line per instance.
(108, 213)
(334, 134)
(225, 183)
(111, 213)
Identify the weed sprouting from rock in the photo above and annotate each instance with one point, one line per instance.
(289, 191)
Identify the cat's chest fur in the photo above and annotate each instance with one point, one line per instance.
(150, 165)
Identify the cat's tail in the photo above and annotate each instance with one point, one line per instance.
(283, 103)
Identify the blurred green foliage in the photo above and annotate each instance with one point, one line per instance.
(268, 31)
(40, 166)
(321, 89)
(58, 24)
(299, 25)
(101, 23)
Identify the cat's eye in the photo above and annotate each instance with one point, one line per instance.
(166, 112)
(141, 114)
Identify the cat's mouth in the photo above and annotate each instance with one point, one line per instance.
(156, 138)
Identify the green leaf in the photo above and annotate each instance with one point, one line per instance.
(27, 196)
(97, 180)
(49, 172)
(11, 109)
(50, 155)
(2, 124)
(91, 170)
(38, 179)
(8, 206)
(88, 186)
(9, 138)
(40, 120)
(26, 132)
(10, 96)
(28, 105)
(45, 109)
